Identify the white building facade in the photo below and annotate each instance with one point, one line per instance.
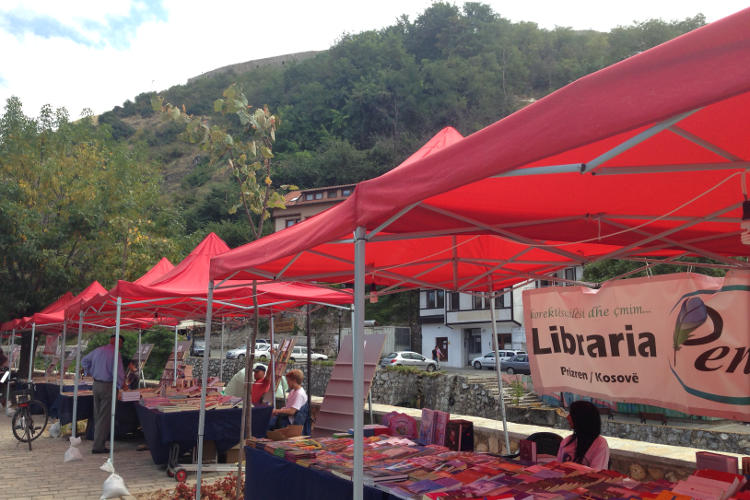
(460, 325)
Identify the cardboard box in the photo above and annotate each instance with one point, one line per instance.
(285, 433)
(209, 452)
(234, 454)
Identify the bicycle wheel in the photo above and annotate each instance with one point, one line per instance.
(30, 421)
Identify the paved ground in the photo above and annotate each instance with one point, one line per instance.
(42, 474)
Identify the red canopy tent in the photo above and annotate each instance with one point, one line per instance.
(185, 292)
(160, 269)
(648, 156)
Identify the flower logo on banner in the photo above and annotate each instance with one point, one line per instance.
(714, 361)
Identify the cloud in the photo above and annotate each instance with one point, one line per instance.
(18, 25)
(118, 31)
(115, 30)
(3, 81)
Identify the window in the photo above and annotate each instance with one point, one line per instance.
(346, 191)
(570, 274)
(308, 196)
(291, 222)
(454, 301)
(319, 196)
(435, 299)
(504, 340)
(478, 302)
(332, 193)
(504, 300)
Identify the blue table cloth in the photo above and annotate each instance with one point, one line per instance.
(267, 476)
(49, 393)
(126, 418)
(222, 426)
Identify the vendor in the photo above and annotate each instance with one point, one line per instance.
(295, 400)
(585, 446)
(261, 384)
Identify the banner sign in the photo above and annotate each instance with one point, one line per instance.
(679, 341)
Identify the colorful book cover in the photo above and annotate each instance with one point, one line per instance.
(426, 426)
(439, 425)
(527, 450)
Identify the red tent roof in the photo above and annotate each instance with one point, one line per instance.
(160, 269)
(182, 292)
(644, 157)
(50, 321)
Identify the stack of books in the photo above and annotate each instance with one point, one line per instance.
(407, 469)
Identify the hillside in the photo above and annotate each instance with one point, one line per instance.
(347, 114)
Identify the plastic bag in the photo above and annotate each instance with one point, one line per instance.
(114, 485)
(73, 453)
(10, 411)
(54, 430)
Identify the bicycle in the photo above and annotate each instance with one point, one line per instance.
(30, 417)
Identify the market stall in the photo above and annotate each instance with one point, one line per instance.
(647, 158)
(162, 429)
(395, 467)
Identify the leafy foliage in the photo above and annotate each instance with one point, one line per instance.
(247, 155)
(75, 206)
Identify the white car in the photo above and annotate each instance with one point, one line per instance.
(488, 360)
(239, 353)
(299, 353)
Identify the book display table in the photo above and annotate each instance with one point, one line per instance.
(126, 419)
(163, 429)
(48, 393)
(397, 468)
(267, 476)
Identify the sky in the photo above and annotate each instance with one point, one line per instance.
(96, 54)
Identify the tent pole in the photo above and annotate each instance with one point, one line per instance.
(204, 381)
(273, 367)
(10, 365)
(140, 371)
(32, 351)
(221, 358)
(73, 422)
(62, 355)
(358, 396)
(309, 360)
(115, 366)
(498, 370)
(174, 364)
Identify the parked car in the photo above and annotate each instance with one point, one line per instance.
(198, 347)
(516, 364)
(239, 352)
(408, 358)
(299, 353)
(488, 360)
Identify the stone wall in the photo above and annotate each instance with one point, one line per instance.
(455, 394)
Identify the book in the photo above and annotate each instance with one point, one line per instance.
(425, 427)
(527, 450)
(716, 461)
(439, 424)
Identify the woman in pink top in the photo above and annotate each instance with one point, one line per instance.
(585, 446)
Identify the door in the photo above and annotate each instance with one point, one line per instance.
(474, 343)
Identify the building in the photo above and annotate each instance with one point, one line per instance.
(459, 323)
(305, 203)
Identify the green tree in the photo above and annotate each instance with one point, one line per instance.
(75, 206)
(245, 155)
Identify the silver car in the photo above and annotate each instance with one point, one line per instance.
(488, 360)
(261, 350)
(409, 358)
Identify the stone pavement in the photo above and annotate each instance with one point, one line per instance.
(42, 474)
